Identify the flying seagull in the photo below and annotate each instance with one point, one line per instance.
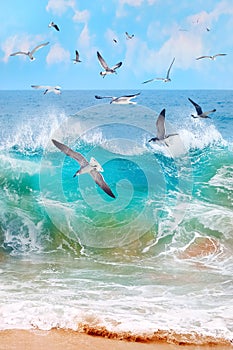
(211, 57)
(126, 99)
(129, 36)
(76, 59)
(55, 89)
(200, 113)
(30, 53)
(165, 80)
(55, 26)
(92, 167)
(161, 131)
(108, 70)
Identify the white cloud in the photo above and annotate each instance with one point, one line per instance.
(58, 7)
(58, 54)
(81, 16)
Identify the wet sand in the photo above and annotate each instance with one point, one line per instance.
(71, 340)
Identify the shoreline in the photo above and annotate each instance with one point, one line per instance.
(60, 339)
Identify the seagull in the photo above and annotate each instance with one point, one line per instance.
(55, 89)
(200, 113)
(126, 99)
(211, 57)
(30, 53)
(165, 80)
(76, 59)
(115, 41)
(108, 70)
(55, 26)
(92, 167)
(160, 126)
(129, 36)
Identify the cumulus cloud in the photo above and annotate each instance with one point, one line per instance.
(81, 16)
(58, 7)
(58, 54)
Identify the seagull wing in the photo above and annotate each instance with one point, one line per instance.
(220, 54)
(76, 55)
(99, 180)
(197, 107)
(44, 87)
(56, 27)
(117, 66)
(131, 96)
(38, 47)
(19, 53)
(168, 72)
(69, 152)
(148, 81)
(100, 97)
(102, 61)
(199, 58)
(160, 125)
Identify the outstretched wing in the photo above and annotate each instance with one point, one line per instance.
(116, 66)
(168, 72)
(69, 152)
(197, 107)
(100, 97)
(99, 180)
(19, 53)
(131, 96)
(38, 47)
(44, 87)
(199, 58)
(102, 61)
(220, 54)
(160, 125)
(148, 81)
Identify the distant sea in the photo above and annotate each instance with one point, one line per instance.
(158, 257)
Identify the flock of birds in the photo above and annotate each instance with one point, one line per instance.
(93, 167)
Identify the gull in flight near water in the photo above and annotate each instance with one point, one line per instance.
(126, 99)
(76, 59)
(55, 26)
(161, 131)
(200, 113)
(165, 80)
(30, 53)
(108, 70)
(55, 89)
(93, 167)
(211, 57)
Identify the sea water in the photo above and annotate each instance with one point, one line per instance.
(158, 256)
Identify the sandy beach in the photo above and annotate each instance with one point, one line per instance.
(70, 340)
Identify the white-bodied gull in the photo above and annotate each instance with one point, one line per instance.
(55, 26)
(161, 131)
(126, 99)
(200, 113)
(76, 59)
(30, 53)
(108, 70)
(165, 80)
(55, 89)
(93, 167)
(211, 57)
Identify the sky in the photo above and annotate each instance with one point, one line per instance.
(162, 29)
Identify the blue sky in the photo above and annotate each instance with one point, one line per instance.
(162, 29)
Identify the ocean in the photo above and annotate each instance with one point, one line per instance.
(158, 258)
